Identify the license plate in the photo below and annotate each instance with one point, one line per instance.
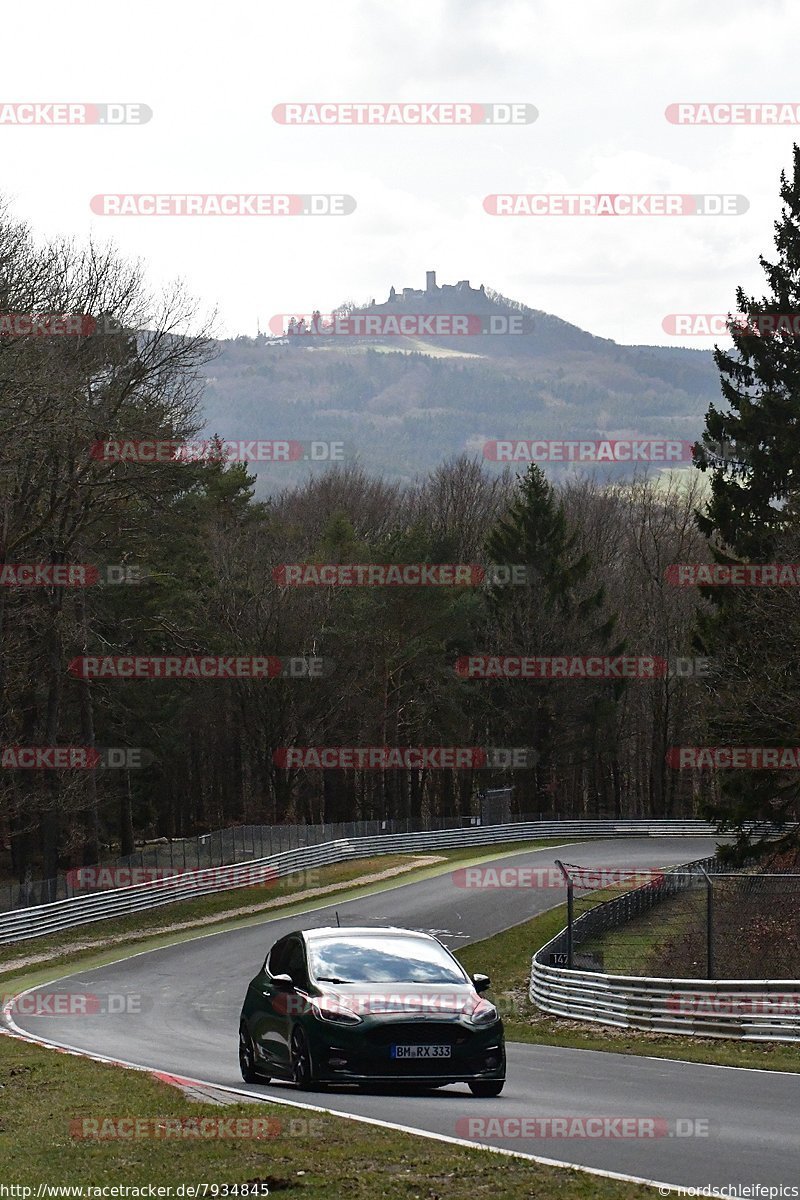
(421, 1051)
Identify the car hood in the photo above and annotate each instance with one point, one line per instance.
(412, 998)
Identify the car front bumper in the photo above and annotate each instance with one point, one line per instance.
(356, 1055)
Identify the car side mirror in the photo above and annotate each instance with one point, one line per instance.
(284, 983)
(481, 983)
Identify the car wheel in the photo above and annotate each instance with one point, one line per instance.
(247, 1057)
(302, 1066)
(487, 1087)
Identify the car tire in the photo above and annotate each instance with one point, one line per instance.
(247, 1057)
(487, 1087)
(300, 1058)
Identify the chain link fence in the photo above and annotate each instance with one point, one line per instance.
(697, 921)
(224, 847)
(748, 928)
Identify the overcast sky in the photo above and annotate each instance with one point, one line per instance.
(600, 75)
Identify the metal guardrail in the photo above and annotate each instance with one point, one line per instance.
(747, 1009)
(217, 848)
(226, 847)
(22, 924)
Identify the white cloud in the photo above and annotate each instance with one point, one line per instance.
(600, 75)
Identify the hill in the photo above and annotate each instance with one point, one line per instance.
(401, 404)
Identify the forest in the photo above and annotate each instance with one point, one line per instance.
(179, 557)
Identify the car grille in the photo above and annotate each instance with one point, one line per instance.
(419, 1033)
(411, 1068)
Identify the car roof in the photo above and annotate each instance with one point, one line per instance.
(363, 931)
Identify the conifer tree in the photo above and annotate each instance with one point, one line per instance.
(559, 611)
(752, 452)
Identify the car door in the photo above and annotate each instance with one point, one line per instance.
(294, 965)
(269, 1009)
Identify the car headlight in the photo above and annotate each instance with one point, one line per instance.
(483, 1013)
(327, 1010)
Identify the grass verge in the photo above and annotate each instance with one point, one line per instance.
(310, 1155)
(506, 958)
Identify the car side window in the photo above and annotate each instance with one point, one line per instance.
(296, 963)
(276, 963)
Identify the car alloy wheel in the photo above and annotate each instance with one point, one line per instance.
(247, 1056)
(302, 1070)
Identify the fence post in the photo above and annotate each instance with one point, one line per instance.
(570, 915)
(709, 925)
(570, 910)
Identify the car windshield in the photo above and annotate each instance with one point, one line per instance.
(380, 959)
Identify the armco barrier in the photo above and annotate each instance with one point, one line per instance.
(237, 844)
(747, 1009)
(43, 919)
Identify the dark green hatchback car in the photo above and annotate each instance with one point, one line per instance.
(366, 1005)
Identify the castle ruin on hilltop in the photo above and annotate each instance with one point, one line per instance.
(432, 288)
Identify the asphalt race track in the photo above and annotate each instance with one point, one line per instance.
(193, 992)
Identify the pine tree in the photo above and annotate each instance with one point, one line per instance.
(559, 611)
(534, 532)
(752, 452)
